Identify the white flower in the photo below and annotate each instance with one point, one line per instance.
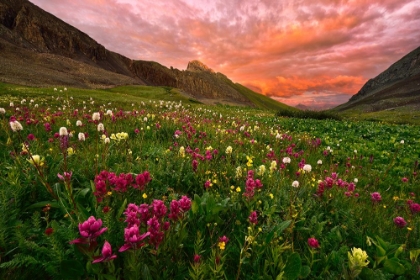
(286, 160)
(145, 119)
(11, 104)
(356, 180)
(96, 116)
(63, 131)
(355, 151)
(79, 123)
(295, 184)
(319, 162)
(101, 127)
(2, 111)
(15, 126)
(307, 168)
(107, 140)
(402, 142)
(229, 150)
(81, 136)
(109, 113)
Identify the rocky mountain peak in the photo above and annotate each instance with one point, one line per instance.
(198, 66)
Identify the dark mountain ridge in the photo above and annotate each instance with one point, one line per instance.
(39, 49)
(396, 87)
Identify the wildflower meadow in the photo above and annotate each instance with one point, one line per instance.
(152, 189)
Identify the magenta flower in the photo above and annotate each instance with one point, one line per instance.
(400, 222)
(106, 254)
(159, 208)
(153, 228)
(313, 243)
(89, 230)
(30, 137)
(207, 184)
(224, 239)
(415, 208)
(133, 238)
(376, 197)
(253, 218)
(185, 203)
(65, 177)
(197, 258)
(175, 210)
(404, 179)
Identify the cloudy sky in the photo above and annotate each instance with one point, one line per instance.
(313, 52)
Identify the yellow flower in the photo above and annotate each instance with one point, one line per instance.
(36, 160)
(70, 151)
(409, 229)
(395, 198)
(222, 245)
(271, 195)
(238, 189)
(144, 195)
(357, 259)
(109, 193)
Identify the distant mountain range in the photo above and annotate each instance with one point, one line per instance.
(396, 87)
(39, 49)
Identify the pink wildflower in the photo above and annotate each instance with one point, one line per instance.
(89, 230)
(106, 254)
(376, 197)
(313, 243)
(400, 222)
(253, 218)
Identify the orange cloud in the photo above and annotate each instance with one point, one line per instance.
(325, 48)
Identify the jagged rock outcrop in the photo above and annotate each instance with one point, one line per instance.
(198, 66)
(406, 67)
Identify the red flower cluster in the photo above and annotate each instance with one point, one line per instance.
(109, 181)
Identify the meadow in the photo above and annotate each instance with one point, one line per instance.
(141, 183)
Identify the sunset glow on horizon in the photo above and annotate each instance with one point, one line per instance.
(315, 53)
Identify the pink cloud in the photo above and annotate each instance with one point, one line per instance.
(280, 48)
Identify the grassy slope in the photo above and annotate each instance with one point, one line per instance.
(121, 94)
(261, 101)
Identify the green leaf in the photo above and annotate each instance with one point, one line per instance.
(122, 208)
(71, 269)
(394, 266)
(194, 207)
(84, 192)
(293, 266)
(145, 272)
(282, 226)
(414, 254)
(42, 204)
(305, 271)
(107, 277)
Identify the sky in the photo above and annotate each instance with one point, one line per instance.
(315, 53)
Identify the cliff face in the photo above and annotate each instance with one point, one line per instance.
(37, 48)
(405, 68)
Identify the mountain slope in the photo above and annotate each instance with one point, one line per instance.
(38, 49)
(398, 87)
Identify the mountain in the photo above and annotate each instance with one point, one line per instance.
(397, 88)
(39, 49)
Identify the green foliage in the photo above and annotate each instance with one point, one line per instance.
(308, 114)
